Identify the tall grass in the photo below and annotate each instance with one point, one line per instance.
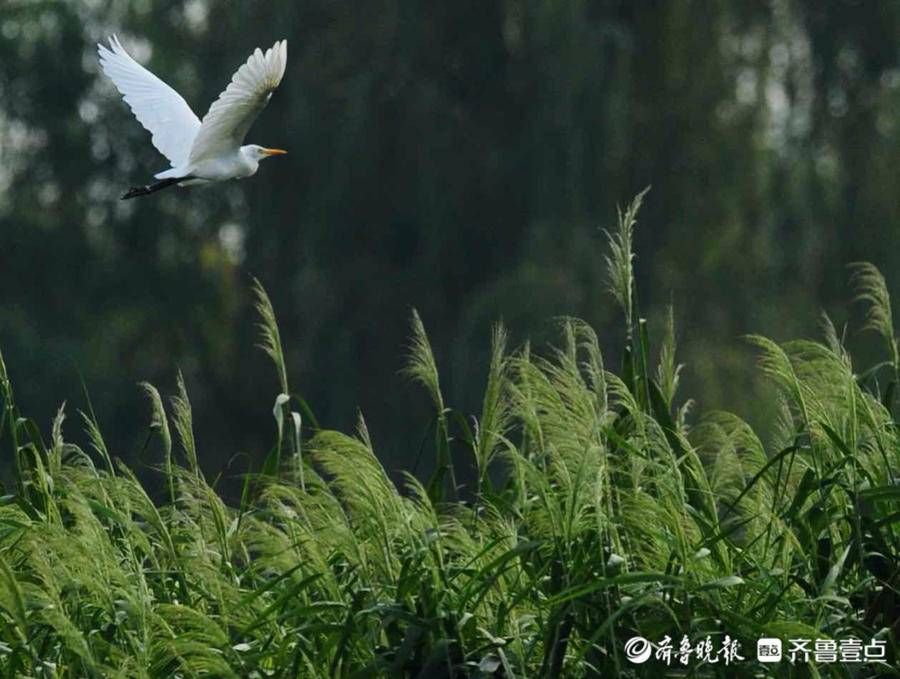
(599, 511)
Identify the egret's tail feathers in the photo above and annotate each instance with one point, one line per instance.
(136, 191)
(171, 172)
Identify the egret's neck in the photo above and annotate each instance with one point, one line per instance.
(249, 159)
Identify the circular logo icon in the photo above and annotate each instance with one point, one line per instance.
(637, 650)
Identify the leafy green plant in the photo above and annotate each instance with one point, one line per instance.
(598, 512)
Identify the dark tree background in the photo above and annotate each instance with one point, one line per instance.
(458, 157)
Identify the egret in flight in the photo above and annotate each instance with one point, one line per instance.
(204, 151)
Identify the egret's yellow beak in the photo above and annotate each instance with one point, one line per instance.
(274, 152)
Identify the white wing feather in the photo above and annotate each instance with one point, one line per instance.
(229, 118)
(160, 109)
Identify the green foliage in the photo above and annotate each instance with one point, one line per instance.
(270, 336)
(599, 514)
(183, 420)
(620, 261)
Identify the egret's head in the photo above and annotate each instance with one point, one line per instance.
(260, 152)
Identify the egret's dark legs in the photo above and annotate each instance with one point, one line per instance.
(136, 191)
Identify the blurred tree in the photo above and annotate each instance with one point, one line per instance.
(456, 157)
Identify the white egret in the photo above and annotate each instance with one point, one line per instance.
(204, 151)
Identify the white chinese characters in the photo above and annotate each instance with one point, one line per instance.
(727, 651)
(639, 650)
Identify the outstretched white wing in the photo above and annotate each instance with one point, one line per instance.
(160, 109)
(226, 123)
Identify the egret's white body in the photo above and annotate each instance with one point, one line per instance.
(199, 151)
(229, 165)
